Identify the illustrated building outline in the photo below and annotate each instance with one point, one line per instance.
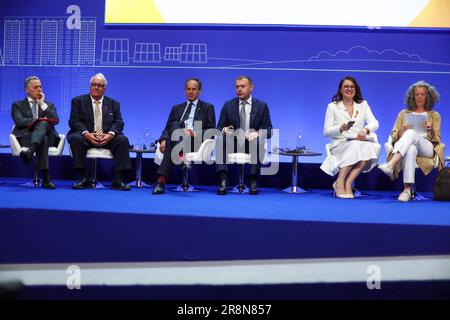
(115, 51)
(145, 52)
(46, 41)
(172, 53)
(193, 53)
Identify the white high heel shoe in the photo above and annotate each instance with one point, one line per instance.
(343, 195)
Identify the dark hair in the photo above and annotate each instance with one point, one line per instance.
(432, 95)
(358, 98)
(196, 80)
(245, 77)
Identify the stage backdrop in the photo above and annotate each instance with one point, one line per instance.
(296, 69)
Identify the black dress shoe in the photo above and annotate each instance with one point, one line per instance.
(84, 183)
(26, 156)
(223, 187)
(253, 187)
(47, 184)
(119, 185)
(159, 189)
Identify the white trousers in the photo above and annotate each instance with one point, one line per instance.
(411, 145)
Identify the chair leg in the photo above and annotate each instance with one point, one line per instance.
(185, 186)
(185, 179)
(95, 183)
(36, 180)
(94, 172)
(415, 195)
(35, 183)
(241, 187)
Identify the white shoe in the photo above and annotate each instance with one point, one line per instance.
(405, 196)
(342, 195)
(387, 169)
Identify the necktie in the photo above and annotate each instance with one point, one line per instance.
(34, 110)
(243, 117)
(98, 118)
(187, 113)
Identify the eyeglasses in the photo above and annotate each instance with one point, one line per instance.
(99, 85)
(348, 87)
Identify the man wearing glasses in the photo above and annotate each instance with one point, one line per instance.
(96, 122)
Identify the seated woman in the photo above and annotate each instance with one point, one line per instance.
(415, 144)
(350, 125)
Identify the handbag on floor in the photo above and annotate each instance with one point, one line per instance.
(442, 185)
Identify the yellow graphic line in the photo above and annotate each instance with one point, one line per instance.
(435, 14)
(132, 11)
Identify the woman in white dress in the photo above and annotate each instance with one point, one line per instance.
(353, 148)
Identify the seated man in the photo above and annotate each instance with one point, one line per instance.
(34, 127)
(183, 116)
(96, 122)
(251, 116)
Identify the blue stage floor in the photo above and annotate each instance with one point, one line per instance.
(103, 225)
(317, 205)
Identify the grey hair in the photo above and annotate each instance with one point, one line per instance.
(28, 80)
(432, 95)
(100, 76)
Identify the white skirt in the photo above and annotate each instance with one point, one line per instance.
(350, 152)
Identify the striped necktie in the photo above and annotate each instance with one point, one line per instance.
(98, 118)
(243, 117)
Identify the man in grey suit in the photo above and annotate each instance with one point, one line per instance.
(96, 122)
(251, 116)
(34, 126)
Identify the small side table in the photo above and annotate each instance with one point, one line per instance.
(294, 188)
(138, 183)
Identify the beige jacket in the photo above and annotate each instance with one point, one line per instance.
(425, 164)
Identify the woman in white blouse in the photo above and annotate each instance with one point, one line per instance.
(353, 148)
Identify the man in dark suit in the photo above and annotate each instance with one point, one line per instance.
(96, 122)
(34, 121)
(250, 117)
(183, 116)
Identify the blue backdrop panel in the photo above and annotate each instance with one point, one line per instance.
(295, 69)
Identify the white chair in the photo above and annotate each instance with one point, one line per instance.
(94, 154)
(16, 148)
(203, 154)
(388, 147)
(158, 155)
(241, 159)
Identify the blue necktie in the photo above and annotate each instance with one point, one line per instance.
(187, 113)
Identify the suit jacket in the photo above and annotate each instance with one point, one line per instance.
(259, 116)
(204, 112)
(23, 117)
(336, 116)
(82, 116)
